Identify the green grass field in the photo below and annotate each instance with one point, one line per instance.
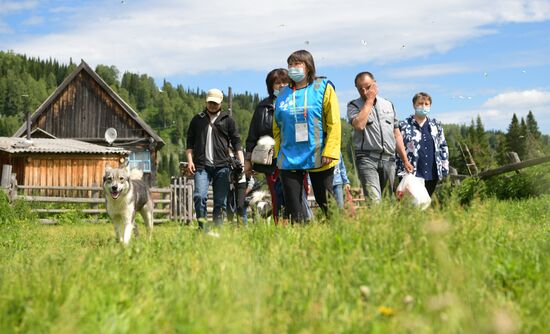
(481, 269)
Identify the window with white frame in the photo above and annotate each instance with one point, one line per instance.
(140, 160)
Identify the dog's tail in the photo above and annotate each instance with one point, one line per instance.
(136, 174)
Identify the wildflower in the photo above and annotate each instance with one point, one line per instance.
(365, 291)
(386, 311)
(408, 300)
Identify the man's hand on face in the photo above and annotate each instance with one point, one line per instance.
(370, 92)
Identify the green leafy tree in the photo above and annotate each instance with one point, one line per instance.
(109, 74)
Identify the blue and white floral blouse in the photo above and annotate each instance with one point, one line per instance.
(412, 136)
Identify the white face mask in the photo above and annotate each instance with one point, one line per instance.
(276, 92)
(296, 74)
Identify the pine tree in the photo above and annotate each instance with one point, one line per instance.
(514, 140)
(480, 131)
(480, 148)
(472, 133)
(523, 128)
(534, 146)
(532, 126)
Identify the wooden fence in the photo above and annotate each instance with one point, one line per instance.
(173, 203)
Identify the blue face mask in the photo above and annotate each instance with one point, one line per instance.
(276, 92)
(422, 111)
(296, 74)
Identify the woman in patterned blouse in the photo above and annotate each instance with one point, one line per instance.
(425, 144)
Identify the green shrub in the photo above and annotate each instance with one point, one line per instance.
(518, 186)
(470, 189)
(7, 216)
(15, 213)
(23, 211)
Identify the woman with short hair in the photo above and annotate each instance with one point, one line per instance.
(262, 125)
(425, 144)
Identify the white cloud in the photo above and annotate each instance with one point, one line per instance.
(4, 28)
(519, 100)
(7, 7)
(63, 9)
(176, 37)
(34, 20)
(429, 70)
(496, 112)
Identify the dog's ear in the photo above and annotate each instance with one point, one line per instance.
(108, 167)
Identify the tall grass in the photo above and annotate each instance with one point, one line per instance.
(392, 269)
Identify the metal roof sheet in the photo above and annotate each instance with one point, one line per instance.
(56, 146)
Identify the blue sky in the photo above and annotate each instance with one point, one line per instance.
(487, 58)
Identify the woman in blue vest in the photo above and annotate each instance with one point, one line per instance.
(307, 134)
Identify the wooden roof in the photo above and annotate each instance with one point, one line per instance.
(85, 67)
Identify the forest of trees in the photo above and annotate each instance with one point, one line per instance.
(26, 82)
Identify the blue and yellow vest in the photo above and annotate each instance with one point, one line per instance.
(289, 110)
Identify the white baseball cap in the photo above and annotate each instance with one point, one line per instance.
(214, 95)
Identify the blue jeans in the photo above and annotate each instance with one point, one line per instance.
(338, 190)
(220, 186)
(375, 174)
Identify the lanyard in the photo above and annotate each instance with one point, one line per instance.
(294, 102)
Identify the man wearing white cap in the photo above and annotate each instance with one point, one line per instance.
(208, 138)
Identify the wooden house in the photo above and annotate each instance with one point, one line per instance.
(58, 162)
(83, 107)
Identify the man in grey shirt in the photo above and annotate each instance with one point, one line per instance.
(376, 137)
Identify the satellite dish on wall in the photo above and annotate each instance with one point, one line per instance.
(110, 135)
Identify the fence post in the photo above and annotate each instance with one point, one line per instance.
(183, 199)
(6, 176)
(95, 194)
(12, 192)
(514, 158)
(190, 184)
(453, 174)
(172, 199)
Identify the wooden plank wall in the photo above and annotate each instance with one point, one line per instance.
(85, 110)
(66, 171)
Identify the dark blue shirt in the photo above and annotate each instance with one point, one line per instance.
(426, 168)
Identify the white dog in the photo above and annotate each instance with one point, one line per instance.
(125, 195)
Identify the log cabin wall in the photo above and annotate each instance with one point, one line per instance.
(84, 111)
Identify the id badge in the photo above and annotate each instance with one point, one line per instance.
(301, 132)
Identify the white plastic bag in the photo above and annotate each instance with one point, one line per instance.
(413, 187)
(263, 151)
